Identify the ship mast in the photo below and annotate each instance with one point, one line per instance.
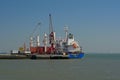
(66, 33)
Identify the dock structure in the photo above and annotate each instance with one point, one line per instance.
(9, 56)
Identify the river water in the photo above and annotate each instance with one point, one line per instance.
(91, 67)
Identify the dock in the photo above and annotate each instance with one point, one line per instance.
(9, 56)
(33, 56)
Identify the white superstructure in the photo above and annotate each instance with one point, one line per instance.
(68, 44)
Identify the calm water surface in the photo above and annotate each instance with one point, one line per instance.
(91, 67)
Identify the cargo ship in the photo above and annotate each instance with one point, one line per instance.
(53, 48)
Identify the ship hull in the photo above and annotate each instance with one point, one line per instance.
(59, 56)
(76, 56)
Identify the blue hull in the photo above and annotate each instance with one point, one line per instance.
(76, 56)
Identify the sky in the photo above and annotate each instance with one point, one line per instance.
(95, 23)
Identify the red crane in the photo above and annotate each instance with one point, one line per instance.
(51, 34)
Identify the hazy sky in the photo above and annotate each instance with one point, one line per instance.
(96, 23)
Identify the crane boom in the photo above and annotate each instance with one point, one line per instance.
(50, 24)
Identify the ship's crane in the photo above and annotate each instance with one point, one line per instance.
(51, 33)
(35, 32)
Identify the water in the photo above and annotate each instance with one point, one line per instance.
(91, 67)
